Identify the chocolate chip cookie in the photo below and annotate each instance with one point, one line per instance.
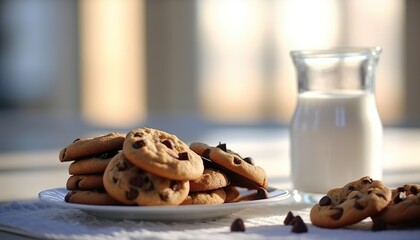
(404, 207)
(131, 185)
(210, 179)
(242, 171)
(350, 204)
(82, 148)
(162, 154)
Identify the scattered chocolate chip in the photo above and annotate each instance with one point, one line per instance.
(261, 193)
(168, 143)
(222, 146)
(289, 218)
(325, 201)
(337, 215)
(400, 197)
(237, 225)
(237, 160)
(139, 144)
(183, 156)
(299, 225)
(358, 206)
(249, 160)
(131, 194)
(414, 190)
(75, 140)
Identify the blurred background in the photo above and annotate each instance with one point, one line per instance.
(73, 68)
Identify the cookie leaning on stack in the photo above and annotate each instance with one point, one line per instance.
(90, 157)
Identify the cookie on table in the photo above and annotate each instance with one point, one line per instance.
(84, 182)
(404, 207)
(91, 197)
(350, 204)
(210, 179)
(91, 165)
(162, 154)
(211, 197)
(131, 185)
(242, 171)
(85, 147)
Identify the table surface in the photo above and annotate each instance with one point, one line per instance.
(25, 174)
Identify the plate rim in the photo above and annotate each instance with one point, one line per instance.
(102, 210)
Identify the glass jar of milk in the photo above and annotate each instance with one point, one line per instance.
(336, 132)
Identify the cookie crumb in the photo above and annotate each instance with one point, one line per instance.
(299, 225)
(237, 225)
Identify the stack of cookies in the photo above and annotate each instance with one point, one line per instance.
(90, 157)
(364, 198)
(150, 167)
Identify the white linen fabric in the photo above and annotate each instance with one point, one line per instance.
(41, 220)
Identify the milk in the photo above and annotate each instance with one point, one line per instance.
(335, 138)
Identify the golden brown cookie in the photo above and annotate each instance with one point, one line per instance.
(131, 185)
(241, 171)
(82, 148)
(92, 197)
(350, 204)
(210, 179)
(91, 165)
(84, 182)
(211, 197)
(404, 207)
(162, 154)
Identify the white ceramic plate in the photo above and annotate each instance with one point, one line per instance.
(161, 213)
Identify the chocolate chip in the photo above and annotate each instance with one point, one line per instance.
(135, 181)
(261, 193)
(237, 225)
(174, 185)
(139, 144)
(183, 156)
(358, 206)
(164, 196)
(299, 226)
(325, 201)
(206, 153)
(367, 181)
(289, 218)
(237, 160)
(107, 155)
(414, 190)
(337, 215)
(138, 134)
(131, 194)
(122, 166)
(168, 143)
(249, 160)
(400, 197)
(222, 146)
